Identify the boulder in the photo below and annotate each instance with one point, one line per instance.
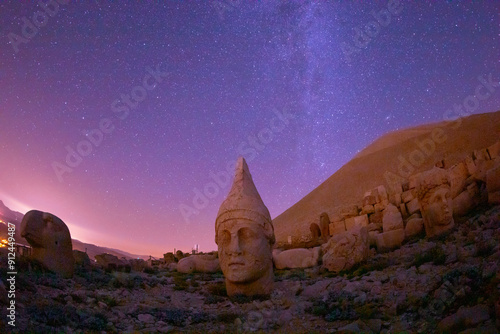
(205, 263)
(390, 240)
(344, 250)
(169, 257)
(392, 219)
(82, 259)
(50, 241)
(413, 206)
(296, 258)
(414, 227)
(111, 262)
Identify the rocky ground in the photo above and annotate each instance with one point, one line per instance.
(450, 284)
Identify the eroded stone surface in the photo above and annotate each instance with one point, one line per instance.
(50, 240)
(245, 236)
(205, 263)
(344, 250)
(433, 191)
(296, 258)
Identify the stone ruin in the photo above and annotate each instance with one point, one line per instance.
(425, 204)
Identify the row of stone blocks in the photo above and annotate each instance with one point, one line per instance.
(391, 218)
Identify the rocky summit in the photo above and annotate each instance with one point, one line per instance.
(450, 284)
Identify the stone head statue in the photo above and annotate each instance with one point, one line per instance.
(244, 235)
(50, 240)
(433, 191)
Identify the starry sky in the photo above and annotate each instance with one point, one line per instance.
(123, 118)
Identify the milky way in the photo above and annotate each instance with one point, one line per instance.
(124, 119)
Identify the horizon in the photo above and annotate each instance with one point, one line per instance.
(126, 129)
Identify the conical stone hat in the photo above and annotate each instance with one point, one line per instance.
(243, 200)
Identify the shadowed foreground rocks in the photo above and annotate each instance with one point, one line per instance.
(450, 284)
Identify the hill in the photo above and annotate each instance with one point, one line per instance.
(424, 145)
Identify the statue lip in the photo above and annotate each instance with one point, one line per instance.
(234, 263)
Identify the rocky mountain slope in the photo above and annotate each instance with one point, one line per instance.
(447, 285)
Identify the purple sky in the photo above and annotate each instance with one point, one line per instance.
(223, 71)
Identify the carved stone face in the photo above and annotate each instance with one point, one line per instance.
(439, 206)
(50, 240)
(245, 253)
(437, 210)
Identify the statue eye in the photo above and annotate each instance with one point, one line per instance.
(246, 234)
(224, 237)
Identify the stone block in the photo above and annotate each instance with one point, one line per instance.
(358, 221)
(392, 219)
(413, 181)
(344, 250)
(481, 154)
(470, 164)
(395, 199)
(382, 192)
(494, 150)
(394, 183)
(408, 195)
(367, 209)
(337, 227)
(439, 164)
(349, 211)
(390, 240)
(457, 175)
(372, 238)
(361, 220)
(403, 210)
(493, 179)
(374, 227)
(413, 206)
(482, 168)
(414, 227)
(379, 207)
(463, 203)
(376, 218)
(369, 200)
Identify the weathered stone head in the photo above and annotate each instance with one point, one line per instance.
(433, 191)
(245, 237)
(50, 240)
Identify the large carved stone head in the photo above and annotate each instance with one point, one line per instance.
(245, 237)
(433, 191)
(50, 240)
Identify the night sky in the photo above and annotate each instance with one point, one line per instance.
(160, 98)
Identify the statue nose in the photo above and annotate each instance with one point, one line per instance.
(234, 246)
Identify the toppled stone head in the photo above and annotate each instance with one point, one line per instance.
(244, 235)
(50, 240)
(433, 191)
